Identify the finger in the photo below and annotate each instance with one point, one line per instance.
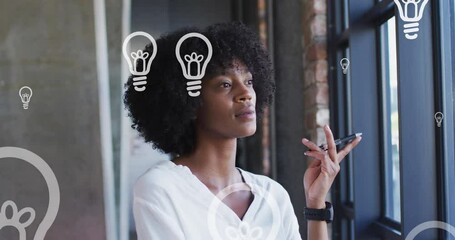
(316, 155)
(348, 148)
(331, 147)
(330, 167)
(311, 145)
(314, 163)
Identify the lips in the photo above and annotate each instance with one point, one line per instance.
(247, 112)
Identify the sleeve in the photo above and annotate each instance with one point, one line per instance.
(290, 220)
(154, 224)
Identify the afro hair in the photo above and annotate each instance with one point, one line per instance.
(164, 114)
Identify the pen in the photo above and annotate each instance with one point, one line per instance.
(342, 140)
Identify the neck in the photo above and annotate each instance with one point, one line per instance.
(213, 161)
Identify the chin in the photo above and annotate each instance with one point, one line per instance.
(248, 132)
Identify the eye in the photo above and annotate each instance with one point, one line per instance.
(249, 82)
(226, 85)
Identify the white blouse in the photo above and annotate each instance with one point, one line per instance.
(170, 203)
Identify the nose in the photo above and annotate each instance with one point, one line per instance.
(244, 95)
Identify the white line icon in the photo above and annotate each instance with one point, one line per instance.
(15, 220)
(411, 13)
(26, 94)
(191, 59)
(344, 62)
(54, 196)
(439, 116)
(140, 76)
(429, 225)
(244, 229)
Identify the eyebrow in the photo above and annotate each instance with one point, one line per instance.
(247, 76)
(241, 70)
(231, 71)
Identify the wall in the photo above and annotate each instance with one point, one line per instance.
(50, 47)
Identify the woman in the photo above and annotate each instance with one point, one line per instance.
(179, 199)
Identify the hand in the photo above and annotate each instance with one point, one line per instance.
(323, 169)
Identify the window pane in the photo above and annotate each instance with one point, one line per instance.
(391, 127)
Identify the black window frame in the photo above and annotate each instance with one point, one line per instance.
(425, 150)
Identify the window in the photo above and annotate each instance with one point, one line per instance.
(402, 174)
(391, 173)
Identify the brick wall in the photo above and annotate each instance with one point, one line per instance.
(316, 92)
(315, 69)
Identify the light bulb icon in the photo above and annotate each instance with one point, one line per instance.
(15, 217)
(439, 116)
(193, 59)
(344, 62)
(26, 94)
(244, 232)
(411, 12)
(139, 58)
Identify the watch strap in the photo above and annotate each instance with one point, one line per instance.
(325, 214)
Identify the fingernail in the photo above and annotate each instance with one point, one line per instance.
(305, 140)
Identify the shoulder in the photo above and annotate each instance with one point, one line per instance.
(156, 180)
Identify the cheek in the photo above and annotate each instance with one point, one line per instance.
(214, 108)
(253, 94)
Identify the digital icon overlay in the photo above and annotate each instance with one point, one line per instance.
(139, 58)
(15, 219)
(411, 12)
(439, 116)
(244, 230)
(194, 59)
(344, 62)
(430, 225)
(25, 93)
(17, 215)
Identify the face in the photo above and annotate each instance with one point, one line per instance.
(228, 104)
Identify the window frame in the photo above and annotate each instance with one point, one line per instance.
(385, 127)
(363, 38)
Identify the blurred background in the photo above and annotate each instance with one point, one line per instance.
(398, 92)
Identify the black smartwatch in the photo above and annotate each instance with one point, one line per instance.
(325, 214)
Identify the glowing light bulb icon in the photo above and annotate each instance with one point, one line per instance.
(139, 58)
(439, 116)
(193, 59)
(344, 62)
(411, 12)
(26, 94)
